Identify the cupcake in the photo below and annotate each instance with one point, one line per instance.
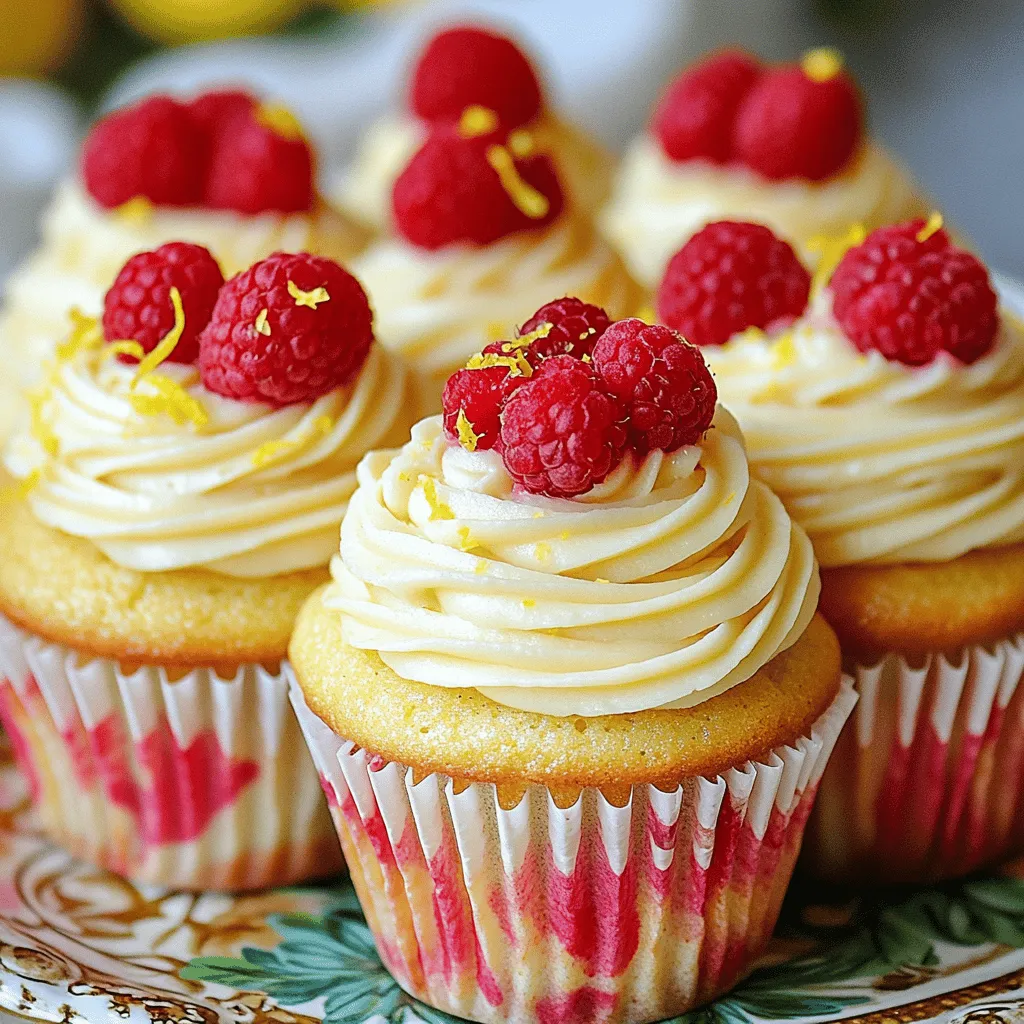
(889, 418)
(182, 480)
(785, 146)
(461, 67)
(568, 686)
(482, 230)
(222, 171)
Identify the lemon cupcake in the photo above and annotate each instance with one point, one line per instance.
(180, 497)
(784, 146)
(482, 232)
(460, 67)
(569, 688)
(222, 171)
(890, 420)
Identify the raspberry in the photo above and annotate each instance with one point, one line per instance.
(261, 163)
(561, 432)
(799, 121)
(450, 192)
(694, 119)
(138, 304)
(466, 65)
(912, 299)
(291, 328)
(152, 149)
(575, 328)
(662, 381)
(728, 277)
(217, 111)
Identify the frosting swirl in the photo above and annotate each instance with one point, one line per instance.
(363, 191)
(673, 580)
(242, 488)
(84, 246)
(435, 309)
(658, 204)
(880, 462)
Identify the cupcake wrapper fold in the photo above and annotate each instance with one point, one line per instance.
(927, 781)
(198, 783)
(538, 913)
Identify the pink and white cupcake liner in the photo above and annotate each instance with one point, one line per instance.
(203, 782)
(538, 913)
(927, 781)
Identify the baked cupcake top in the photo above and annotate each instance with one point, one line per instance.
(578, 534)
(888, 416)
(459, 67)
(481, 228)
(784, 146)
(210, 424)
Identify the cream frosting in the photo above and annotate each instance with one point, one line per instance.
(435, 309)
(880, 462)
(657, 204)
(253, 491)
(364, 189)
(675, 579)
(84, 246)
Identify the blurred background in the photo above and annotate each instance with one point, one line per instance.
(944, 78)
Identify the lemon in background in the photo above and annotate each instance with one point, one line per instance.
(178, 21)
(38, 34)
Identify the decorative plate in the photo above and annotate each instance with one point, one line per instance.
(78, 944)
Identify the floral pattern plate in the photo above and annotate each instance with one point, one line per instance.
(78, 944)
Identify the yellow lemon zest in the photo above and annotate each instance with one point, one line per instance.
(564, 535)
(586, 358)
(601, 579)
(85, 334)
(311, 299)
(934, 224)
(278, 118)
(170, 399)
(521, 143)
(729, 498)
(525, 340)
(468, 438)
(832, 248)
(529, 603)
(481, 566)
(542, 551)
(477, 120)
(167, 344)
(136, 210)
(438, 508)
(539, 514)
(125, 347)
(270, 450)
(783, 352)
(527, 199)
(39, 425)
(25, 487)
(517, 364)
(822, 64)
(466, 542)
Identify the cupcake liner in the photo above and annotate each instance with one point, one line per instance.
(548, 914)
(196, 783)
(927, 782)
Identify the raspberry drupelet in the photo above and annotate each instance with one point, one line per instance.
(291, 328)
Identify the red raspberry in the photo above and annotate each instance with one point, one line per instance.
(467, 65)
(138, 304)
(662, 381)
(152, 149)
(289, 329)
(575, 327)
(261, 163)
(728, 277)
(561, 432)
(694, 119)
(217, 111)
(450, 192)
(480, 395)
(911, 299)
(802, 121)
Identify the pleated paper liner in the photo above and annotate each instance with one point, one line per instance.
(203, 782)
(538, 913)
(927, 781)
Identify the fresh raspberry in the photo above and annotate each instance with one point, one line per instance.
(480, 395)
(799, 124)
(217, 111)
(138, 305)
(912, 299)
(450, 192)
(289, 329)
(261, 163)
(728, 277)
(661, 380)
(575, 327)
(152, 149)
(467, 65)
(561, 432)
(694, 119)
